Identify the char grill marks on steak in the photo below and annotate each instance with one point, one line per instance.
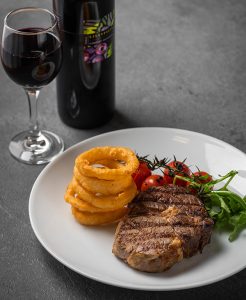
(164, 225)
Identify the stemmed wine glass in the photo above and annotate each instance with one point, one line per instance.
(31, 56)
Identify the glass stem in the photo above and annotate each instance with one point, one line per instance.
(32, 96)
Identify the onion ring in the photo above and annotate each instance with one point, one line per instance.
(105, 202)
(84, 162)
(109, 163)
(105, 187)
(87, 218)
(80, 204)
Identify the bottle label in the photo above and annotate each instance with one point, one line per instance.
(98, 38)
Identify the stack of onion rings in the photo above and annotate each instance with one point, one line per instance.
(102, 184)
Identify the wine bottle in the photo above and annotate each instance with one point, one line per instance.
(86, 81)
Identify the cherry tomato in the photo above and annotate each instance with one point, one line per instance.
(153, 180)
(176, 168)
(199, 177)
(141, 173)
(202, 177)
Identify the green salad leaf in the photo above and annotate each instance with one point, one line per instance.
(225, 207)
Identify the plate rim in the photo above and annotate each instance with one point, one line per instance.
(118, 283)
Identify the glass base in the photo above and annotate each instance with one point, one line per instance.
(36, 149)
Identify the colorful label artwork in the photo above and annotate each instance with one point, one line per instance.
(98, 41)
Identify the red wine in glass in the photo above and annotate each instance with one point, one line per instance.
(32, 60)
(31, 56)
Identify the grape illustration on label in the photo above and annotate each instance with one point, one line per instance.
(98, 43)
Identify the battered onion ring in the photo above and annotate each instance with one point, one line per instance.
(87, 218)
(105, 187)
(84, 162)
(105, 202)
(80, 204)
(109, 163)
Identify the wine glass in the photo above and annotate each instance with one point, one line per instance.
(31, 56)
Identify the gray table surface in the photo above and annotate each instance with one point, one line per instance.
(181, 64)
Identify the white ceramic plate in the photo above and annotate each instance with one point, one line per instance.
(87, 250)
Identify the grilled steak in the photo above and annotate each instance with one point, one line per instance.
(164, 225)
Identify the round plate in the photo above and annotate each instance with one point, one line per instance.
(88, 250)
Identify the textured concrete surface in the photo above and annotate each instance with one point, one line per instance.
(180, 63)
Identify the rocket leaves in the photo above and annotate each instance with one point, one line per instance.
(225, 207)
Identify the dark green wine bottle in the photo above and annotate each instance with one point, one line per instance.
(86, 81)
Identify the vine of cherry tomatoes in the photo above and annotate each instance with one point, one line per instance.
(145, 178)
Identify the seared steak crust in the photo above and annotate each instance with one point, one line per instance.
(164, 225)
